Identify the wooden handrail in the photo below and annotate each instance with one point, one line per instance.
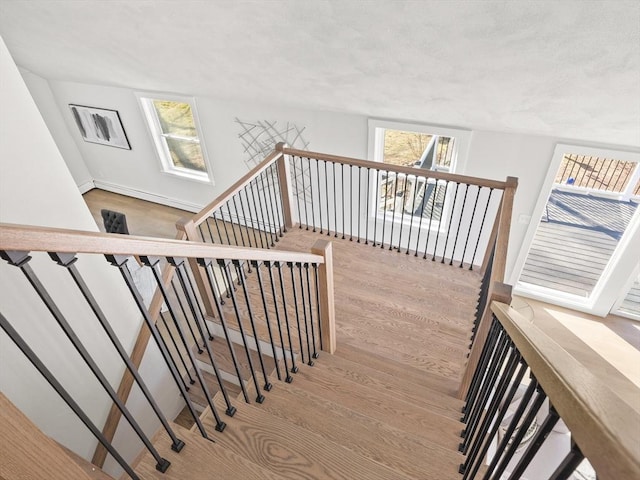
(504, 229)
(46, 239)
(206, 212)
(481, 182)
(604, 426)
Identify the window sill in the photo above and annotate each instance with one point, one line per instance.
(189, 176)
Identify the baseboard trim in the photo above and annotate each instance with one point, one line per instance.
(86, 186)
(150, 197)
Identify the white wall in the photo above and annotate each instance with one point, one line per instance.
(36, 188)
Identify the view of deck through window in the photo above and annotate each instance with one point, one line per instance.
(591, 205)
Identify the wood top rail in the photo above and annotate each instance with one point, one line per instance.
(45, 239)
(606, 428)
(235, 188)
(396, 168)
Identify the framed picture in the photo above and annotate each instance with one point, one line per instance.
(98, 125)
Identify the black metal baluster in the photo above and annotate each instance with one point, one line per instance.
(326, 193)
(294, 369)
(522, 430)
(366, 228)
(315, 270)
(184, 315)
(317, 162)
(304, 195)
(225, 267)
(183, 277)
(313, 333)
(453, 209)
(402, 206)
(473, 217)
(422, 207)
(256, 265)
(255, 208)
(484, 216)
(224, 225)
(433, 205)
(455, 242)
(268, 212)
(20, 260)
(376, 207)
(481, 453)
(295, 177)
(68, 260)
(201, 234)
(384, 209)
(51, 380)
(215, 220)
(211, 277)
(273, 198)
(413, 209)
(235, 207)
(304, 312)
(121, 263)
(359, 199)
(295, 307)
(569, 464)
(393, 215)
(283, 230)
(335, 202)
(233, 225)
(478, 375)
(289, 378)
(491, 409)
(200, 309)
(273, 235)
(206, 221)
(350, 203)
(343, 202)
(264, 222)
(240, 272)
(313, 214)
(536, 442)
(175, 346)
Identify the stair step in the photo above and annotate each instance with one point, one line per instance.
(363, 374)
(408, 373)
(364, 435)
(291, 451)
(197, 395)
(199, 459)
(385, 407)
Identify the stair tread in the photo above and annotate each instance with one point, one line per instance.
(383, 406)
(376, 440)
(291, 451)
(443, 404)
(199, 459)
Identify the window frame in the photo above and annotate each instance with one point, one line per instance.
(145, 99)
(375, 153)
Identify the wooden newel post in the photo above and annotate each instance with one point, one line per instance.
(504, 228)
(284, 174)
(199, 275)
(498, 292)
(327, 305)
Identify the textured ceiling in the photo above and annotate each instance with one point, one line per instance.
(564, 68)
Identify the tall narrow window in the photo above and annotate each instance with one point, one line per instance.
(174, 127)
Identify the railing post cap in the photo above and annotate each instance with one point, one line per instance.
(280, 146)
(512, 182)
(182, 222)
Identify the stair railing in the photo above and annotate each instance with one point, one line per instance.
(173, 313)
(530, 403)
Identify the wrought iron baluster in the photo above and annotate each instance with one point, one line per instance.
(455, 242)
(304, 313)
(273, 198)
(402, 207)
(317, 283)
(326, 194)
(184, 315)
(175, 347)
(272, 235)
(294, 369)
(413, 210)
(484, 216)
(51, 380)
(359, 199)
(473, 217)
(295, 178)
(256, 266)
(343, 204)
(367, 213)
(453, 209)
(350, 203)
(569, 464)
(384, 208)
(215, 220)
(313, 214)
(335, 201)
(206, 221)
(240, 272)
(393, 215)
(257, 224)
(225, 267)
(201, 234)
(211, 277)
(376, 207)
(295, 307)
(433, 204)
(284, 226)
(317, 162)
(288, 378)
(233, 224)
(304, 195)
(310, 303)
(235, 207)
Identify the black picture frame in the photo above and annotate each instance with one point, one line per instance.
(100, 125)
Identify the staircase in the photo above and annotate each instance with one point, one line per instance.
(384, 406)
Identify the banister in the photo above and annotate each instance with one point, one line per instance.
(236, 187)
(602, 424)
(32, 238)
(481, 182)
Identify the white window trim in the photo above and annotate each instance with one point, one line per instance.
(375, 153)
(617, 271)
(162, 151)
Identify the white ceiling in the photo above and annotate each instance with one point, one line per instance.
(564, 68)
